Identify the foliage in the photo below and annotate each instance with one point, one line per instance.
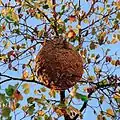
(92, 26)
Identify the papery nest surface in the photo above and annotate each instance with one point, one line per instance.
(58, 66)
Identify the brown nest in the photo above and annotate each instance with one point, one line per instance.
(58, 66)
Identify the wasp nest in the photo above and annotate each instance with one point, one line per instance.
(58, 66)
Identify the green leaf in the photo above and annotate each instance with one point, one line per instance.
(30, 100)
(63, 7)
(93, 31)
(39, 118)
(103, 82)
(46, 117)
(6, 112)
(118, 16)
(31, 109)
(66, 20)
(82, 97)
(45, 6)
(9, 91)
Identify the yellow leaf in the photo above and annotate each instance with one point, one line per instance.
(6, 44)
(41, 113)
(31, 77)
(27, 91)
(38, 16)
(49, 3)
(37, 5)
(114, 40)
(113, 62)
(71, 34)
(78, 26)
(1, 2)
(13, 106)
(86, 21)
(116, 96)
(25, 74)
(60, 21)
(26, 86)
(101, 9)
(36, 92)
(109, 112)
(91, 78)
(52, 93)
(15, 17)
(73, 92)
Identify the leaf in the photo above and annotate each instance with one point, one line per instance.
(101, 9)
(26, 86)
(91, 78)
(71, 34)
(78, 26)
(52, 93)
(92, 45)
(25, 74)
(86, 21)
(118, 15)
(1, 3)
(103, 82)
(45, 7)
(6, 112)
(17, 95)
(82, 97)
(15, 17)
(116, 96)
(102, 98)
(100, 117)
(31, 109)
(109, 112)
(43, 89)
(27, 91)
(73, 92)
(113, 62)
(41, 113)
(72, 18)
(93, 31)
(2, 98)
(114, 40)
(46, 117)
(6, 44)
(9, 91)
(30, 100)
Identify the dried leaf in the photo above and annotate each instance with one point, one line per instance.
(71, 34)
(109, 112)
(72, 18)
(114, 40)
(17, 95)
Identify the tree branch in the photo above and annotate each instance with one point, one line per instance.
(19, 79)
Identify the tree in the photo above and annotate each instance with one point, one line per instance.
(92, 26)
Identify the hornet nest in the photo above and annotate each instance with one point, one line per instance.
(58, 66)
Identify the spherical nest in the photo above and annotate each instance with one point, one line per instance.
(58, 66)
